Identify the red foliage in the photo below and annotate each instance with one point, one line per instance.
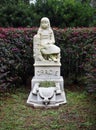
(77, 47)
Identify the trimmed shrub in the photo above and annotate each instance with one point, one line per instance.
(16, 56)
(90, 76)
(77, 45)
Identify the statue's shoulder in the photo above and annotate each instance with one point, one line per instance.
(39, 31)
(50, 30)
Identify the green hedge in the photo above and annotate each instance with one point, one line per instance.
(62, 13)
(78, 45)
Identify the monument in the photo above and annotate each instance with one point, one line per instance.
(47, 86)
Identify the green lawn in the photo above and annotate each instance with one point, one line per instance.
(78, 114)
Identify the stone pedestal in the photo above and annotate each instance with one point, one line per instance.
(50, 96)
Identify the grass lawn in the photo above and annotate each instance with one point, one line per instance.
(78, 114)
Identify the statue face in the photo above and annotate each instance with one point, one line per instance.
(44, 23)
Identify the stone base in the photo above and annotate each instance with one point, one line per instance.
(37, 101)
(46, 96)
(38, 80)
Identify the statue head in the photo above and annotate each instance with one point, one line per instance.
(45, 23)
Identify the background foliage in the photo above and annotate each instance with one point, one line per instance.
(62, 13)
(78, 46)
(16, 55)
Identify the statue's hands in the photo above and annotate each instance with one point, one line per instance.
(50, 42)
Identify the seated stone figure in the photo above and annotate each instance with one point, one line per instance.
(44, 48)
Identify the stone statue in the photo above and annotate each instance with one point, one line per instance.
(44, 48)
(47, 85)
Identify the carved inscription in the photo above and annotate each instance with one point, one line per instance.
(47, 72)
